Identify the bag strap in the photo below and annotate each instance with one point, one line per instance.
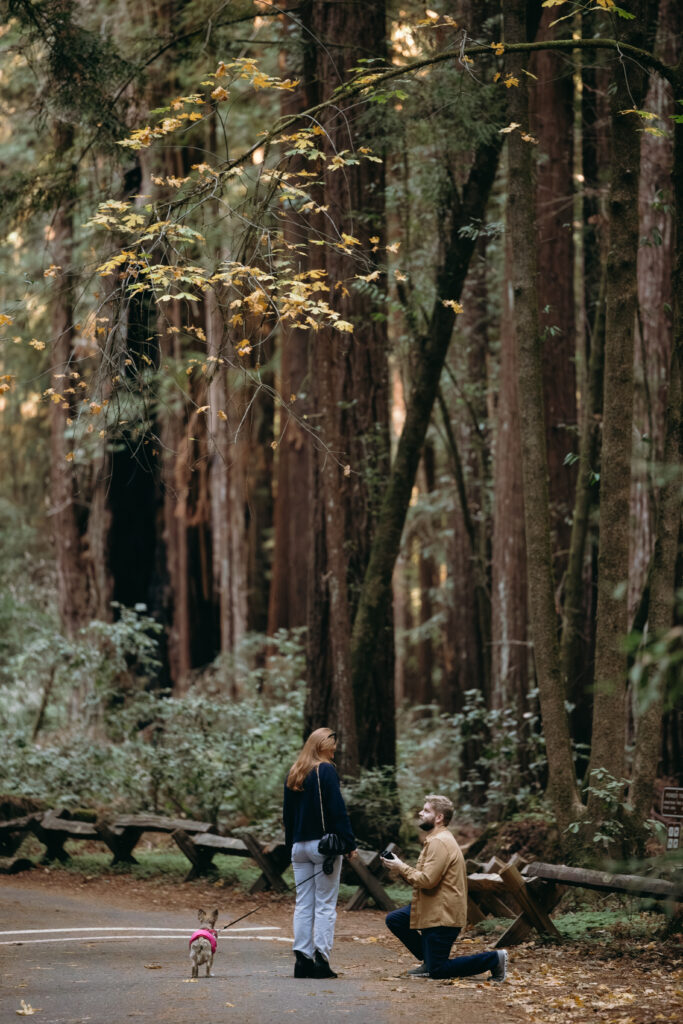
(320, 794)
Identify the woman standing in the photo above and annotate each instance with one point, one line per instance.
(313, 806)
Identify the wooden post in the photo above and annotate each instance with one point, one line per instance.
(265, 861)
(121, 841)
(200, 859)
(371, 884)
(546, 895)
(516, 885)
(474, 913)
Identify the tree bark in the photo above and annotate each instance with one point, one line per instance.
(69, 509)
(551, 102)
(542, 616)
(668, 524)
(509, 616)
(350, 384)
(608, 744)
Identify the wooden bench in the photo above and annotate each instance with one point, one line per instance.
(13, 832)
(200, 849)
(123, 833)
(53, 829)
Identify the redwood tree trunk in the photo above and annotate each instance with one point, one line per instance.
(551, 101)
(542, 616)
(349, 380)
(608, 744)
(510, 650)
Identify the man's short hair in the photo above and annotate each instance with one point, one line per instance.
(441, 805)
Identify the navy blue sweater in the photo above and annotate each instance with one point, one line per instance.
(301, 809)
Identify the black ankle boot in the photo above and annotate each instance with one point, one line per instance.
(304, 966)
(322, 967)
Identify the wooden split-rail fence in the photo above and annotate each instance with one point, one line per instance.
(524, 893)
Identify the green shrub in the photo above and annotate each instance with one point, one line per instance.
(204, 755)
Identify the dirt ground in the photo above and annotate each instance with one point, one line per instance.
(618, 982)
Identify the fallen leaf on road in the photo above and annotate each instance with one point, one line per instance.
(229, 1004)
(26, 1009)
(190, 981)
(153, 967)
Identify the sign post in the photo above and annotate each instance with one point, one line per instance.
(672, 810)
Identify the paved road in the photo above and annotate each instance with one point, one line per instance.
(76, 962)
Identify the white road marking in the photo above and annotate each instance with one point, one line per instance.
(111, 938)
(126, 928)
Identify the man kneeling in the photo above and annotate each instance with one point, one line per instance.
(432, 921)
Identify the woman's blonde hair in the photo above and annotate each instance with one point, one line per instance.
(319, 744)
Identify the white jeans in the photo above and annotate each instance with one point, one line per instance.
(315, 911)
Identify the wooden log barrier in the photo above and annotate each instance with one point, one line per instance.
(604, 881)
(364, 866)
(373, 864)
(533, 909)
(123, 833)
(269, 861)
(14, 831)
(546, 895)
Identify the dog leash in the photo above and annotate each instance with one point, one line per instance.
(249, 912)
(240, 918)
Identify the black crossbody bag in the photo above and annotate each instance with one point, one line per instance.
(331, 844)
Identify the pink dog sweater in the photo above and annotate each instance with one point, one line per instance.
(205, 933)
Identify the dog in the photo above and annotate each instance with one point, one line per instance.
(203, 943)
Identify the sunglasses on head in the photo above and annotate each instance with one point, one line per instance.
(332, 736)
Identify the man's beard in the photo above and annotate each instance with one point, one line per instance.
(427, 826)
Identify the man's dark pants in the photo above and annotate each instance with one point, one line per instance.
(433, 946)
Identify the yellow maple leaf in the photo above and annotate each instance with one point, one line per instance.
(5, 320)
(221, 415)
(37, 345)
(498, 49)
(452, 304)
(219, 93)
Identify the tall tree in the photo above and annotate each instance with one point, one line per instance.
(349, 378)
(542, 617)
(607, 750)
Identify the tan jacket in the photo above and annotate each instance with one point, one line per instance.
(439, 882)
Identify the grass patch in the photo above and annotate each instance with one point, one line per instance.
(607, 924)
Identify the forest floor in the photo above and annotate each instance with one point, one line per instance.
(619, 975)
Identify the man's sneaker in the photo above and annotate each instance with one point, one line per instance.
(418, 972)
(499, 973)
